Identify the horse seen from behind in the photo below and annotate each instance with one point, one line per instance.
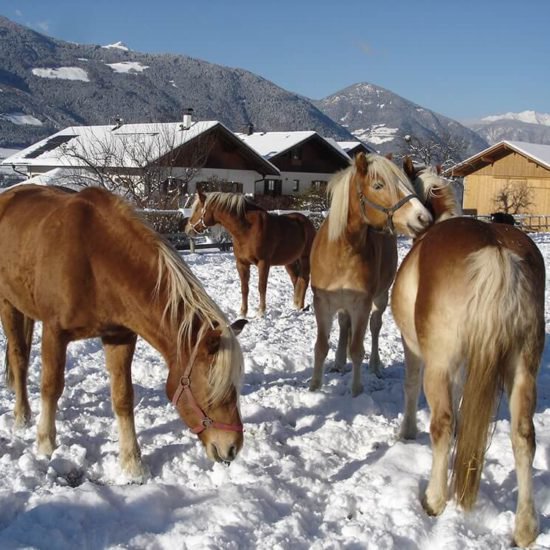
(469, 301)
(354, 258)
(260, 238)
(86, 266)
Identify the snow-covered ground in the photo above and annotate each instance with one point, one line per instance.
(318, 470)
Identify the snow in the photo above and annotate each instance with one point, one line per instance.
(21, 119)
(117, 46)
(531, 117)
(63, 73)
(377, 134)
(128, 67)
(317, 470)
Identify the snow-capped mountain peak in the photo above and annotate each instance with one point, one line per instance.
(530, 117)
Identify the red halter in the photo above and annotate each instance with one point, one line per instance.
(184, 387)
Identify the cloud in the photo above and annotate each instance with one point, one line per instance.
(43, 26)
(19, 13)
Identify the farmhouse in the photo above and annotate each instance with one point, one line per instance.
(304, 158)
(508, 164)
(185, 154)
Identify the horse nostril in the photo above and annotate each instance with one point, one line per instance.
(423, 219)
(232, 453)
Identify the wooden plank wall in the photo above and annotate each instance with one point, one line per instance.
(481, 187)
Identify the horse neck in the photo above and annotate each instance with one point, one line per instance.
(356, 224)
(441, 205)
(232, 222)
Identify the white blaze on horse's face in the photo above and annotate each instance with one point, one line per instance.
(412, 218)
(387, 198)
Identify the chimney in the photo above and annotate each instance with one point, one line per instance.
(187, 118)
(249, 129)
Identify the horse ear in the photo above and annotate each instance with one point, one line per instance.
(408, 167)
(238, 325)
(361, 164)
(389, 156)
(202, 196)
(438, 169)
(212, 340)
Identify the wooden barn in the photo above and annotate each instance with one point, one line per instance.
(507, 164)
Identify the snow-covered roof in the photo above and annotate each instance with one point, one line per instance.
(535, 151)
(348, 146)
(272, 144)
(128, 145)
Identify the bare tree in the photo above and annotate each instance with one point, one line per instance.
(151, 169)
(514, 198)
(445, 149)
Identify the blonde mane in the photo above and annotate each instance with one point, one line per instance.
(233, 203)
(429, 186)
(339, 187)
(187, 299)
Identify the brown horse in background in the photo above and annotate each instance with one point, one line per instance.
(86, 266)
(354, 258)
(469, 297)
(260, 238)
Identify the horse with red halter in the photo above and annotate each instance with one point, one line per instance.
(260, 238)
(86, 266)
(354, 258)
(469, 301)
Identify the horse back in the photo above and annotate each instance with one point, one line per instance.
(60, 254)
(433, 286)
(278, 239)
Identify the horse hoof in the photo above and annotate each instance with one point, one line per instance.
(408, 433)
(433, 508)
(314, 386)
(526, 530)
(45, 446)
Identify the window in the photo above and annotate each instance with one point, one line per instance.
(273, 187)
(296, 185)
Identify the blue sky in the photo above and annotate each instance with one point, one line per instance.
(463, 59)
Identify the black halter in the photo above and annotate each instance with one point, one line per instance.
(389, 211)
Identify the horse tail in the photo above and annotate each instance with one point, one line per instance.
(28, 327)
(499, 302)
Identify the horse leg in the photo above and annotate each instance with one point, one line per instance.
(302, 283)
(263, 273)
(323, 316)
(413, 369)
(244, 274)
(344, 323)
(18, 329)
(522, 398)
(378, 307)
(294, 272)
(118, 357)
(437, 388)
(54, 353)
(359, 321)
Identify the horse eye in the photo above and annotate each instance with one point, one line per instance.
(377, 185)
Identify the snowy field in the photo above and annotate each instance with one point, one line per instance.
(317, 471)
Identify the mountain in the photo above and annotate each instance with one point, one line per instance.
(383, 119)
(48, 84)
(527, 126)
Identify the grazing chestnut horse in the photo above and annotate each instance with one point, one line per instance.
(259, 238)
(354, 258)
(469, 301)
(86, 266)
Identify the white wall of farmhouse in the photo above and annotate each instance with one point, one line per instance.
(252, 182)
